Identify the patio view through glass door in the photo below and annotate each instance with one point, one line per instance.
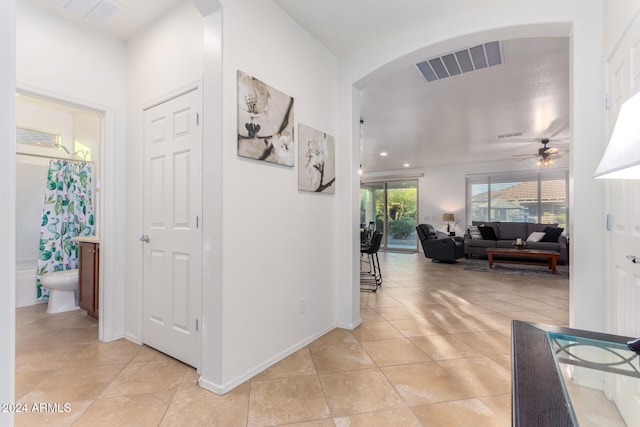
(393, 207)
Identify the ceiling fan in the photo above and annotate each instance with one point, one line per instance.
(546, 155)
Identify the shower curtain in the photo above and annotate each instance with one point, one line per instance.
(67, 212)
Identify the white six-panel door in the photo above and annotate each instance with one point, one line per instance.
(172, 237)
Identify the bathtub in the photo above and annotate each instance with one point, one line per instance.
(26, 293)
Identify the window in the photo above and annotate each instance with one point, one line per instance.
(541, 197)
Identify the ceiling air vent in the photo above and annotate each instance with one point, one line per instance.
(96, 11)
(509, 135)
(463, 61)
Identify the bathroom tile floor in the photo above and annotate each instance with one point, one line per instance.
(432, 350)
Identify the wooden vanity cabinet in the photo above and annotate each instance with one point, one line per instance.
(88, 285)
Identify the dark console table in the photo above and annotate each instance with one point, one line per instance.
(542, 355)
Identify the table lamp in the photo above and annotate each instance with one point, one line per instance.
(448, 217)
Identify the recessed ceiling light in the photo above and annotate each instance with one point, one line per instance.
(384, 154)
(406, 165)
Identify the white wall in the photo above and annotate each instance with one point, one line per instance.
(31, 176)
(59, 59)
(161, 60)
(587, 252)
(272, 246)
(7, 216)
(38, 117)
(504, 19)
(31, 179)
(277, 241)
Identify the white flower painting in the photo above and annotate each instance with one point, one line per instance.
(265, 122)
(316, 160)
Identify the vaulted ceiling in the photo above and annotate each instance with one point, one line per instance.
(494, 113)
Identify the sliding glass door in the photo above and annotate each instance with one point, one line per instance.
(392, 207)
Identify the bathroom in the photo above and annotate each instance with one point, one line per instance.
(47, 129)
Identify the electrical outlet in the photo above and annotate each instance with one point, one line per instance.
(302, 305)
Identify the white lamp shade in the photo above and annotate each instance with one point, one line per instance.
(621, 159)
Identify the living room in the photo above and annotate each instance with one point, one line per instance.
(446, 184)
(510, 108)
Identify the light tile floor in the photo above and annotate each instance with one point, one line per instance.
(432, 350)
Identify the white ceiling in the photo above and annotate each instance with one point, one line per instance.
(123, 17)
(455, 120)
(347, 25)
(458, 119)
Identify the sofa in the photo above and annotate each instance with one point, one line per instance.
(505, 235)
(439, 246)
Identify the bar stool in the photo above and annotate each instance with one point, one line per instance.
(371, 279)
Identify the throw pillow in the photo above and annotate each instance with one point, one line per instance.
(551, 234)
(474, 232)
(487, 232)
(536, 236)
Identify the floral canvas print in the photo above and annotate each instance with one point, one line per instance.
(316, 160)
(265, 122)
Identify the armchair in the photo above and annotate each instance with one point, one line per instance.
(438, 246)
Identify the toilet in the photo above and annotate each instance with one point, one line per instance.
(62, 287)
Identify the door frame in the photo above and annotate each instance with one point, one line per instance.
(194, 85)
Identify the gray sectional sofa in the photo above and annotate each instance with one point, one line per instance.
(507, 233)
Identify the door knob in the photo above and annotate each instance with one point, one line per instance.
(633, 258)
(144, 238)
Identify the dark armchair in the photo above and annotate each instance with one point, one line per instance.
(438, 246)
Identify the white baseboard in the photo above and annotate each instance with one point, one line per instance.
(29, 302)
(131, 337)
(230, 385)
(350, 326)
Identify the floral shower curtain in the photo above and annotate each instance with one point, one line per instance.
(67, 212)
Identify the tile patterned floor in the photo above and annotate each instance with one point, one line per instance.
(433, 350)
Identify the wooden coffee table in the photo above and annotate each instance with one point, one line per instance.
(519, 256)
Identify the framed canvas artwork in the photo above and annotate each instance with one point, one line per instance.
(316, 160)
(265, 122)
